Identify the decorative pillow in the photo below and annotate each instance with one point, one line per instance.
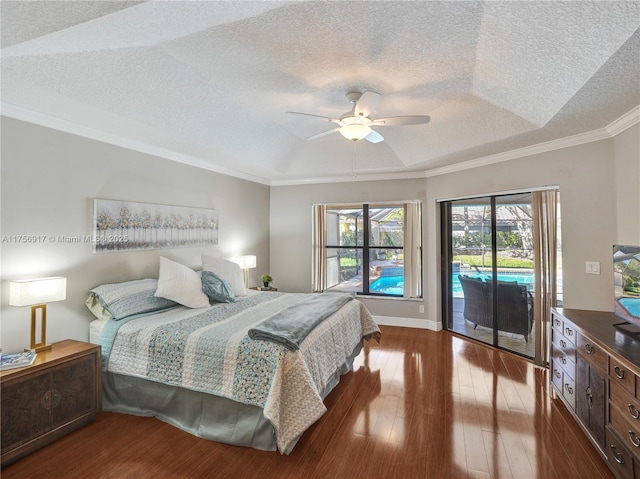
(217, 288)
(119, 300)
(227, 270)
(181, 284)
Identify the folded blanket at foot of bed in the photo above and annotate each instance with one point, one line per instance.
(291, 326)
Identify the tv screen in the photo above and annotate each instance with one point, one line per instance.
(626, 280)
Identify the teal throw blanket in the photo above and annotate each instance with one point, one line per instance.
(291, 326)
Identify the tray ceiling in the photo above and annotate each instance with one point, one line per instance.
(208, 82)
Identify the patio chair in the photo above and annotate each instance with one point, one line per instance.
(515, 308)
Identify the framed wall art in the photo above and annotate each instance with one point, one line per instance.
(125, 226)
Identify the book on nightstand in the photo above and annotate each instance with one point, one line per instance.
(17, 360)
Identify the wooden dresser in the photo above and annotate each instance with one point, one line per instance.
(58, 393)
(595, 371)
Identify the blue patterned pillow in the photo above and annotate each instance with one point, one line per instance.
(131, 297)
(217, 288)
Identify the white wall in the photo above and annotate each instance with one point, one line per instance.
(586, 176)
(291, 234)
(599, 205)
(49, 180)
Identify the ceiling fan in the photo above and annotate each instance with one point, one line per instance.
(357, 123)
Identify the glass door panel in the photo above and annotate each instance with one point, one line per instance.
(514, 260)
(488, 270)
(471, 263)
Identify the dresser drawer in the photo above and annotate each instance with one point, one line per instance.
(563, 346)
(569, 390)
(627, 429)
(621, 399)
(556, 375)
(567, 363)
(622, 376)
(618, 457)
(569, 332)
(592, 353)
(556, 322)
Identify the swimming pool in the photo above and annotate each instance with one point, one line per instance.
(631, 304)
(395, 284)
(522, 278)
(388, 285)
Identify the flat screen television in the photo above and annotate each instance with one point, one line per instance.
(626, 280)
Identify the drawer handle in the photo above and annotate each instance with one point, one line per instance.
(563, 343)
(590, 349)
(570, 391)
(568, 331)
(46, 400)
(556, 322)
(589, 397)
(557, 373)
(635, 414)
(619, 372)
(563, 360)
(56, 397)
(616, 455)
(634, 439)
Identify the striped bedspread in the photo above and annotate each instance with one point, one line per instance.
(208, 350)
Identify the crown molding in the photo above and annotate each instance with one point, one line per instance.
(616, 127)
(30, 116)
(625, 121)
(408, 175)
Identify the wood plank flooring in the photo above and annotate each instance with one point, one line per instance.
(418, 405)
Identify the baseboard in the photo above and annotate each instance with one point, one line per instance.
(408, 322)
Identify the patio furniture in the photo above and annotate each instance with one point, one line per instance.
(515, 305)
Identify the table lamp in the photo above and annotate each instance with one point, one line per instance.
(36, 293)
(246, 262)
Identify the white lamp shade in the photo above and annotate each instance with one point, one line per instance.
(246, 262)
(37, 291)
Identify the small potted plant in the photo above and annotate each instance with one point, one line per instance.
(266, 279)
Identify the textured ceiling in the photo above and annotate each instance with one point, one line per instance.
(208, 82)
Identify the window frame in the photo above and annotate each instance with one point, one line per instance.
(365, 247)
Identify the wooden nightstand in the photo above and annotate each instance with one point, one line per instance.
(58, 393)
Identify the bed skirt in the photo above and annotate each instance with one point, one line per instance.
(201, 414)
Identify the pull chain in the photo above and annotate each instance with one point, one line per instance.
(354, 159)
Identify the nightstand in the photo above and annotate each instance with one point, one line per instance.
(57, 394)
(262, 288)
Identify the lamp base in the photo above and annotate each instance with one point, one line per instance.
(42, 345)
(38, 348)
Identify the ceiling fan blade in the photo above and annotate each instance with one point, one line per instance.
(403, 120)
(334, 120)
(324, 133)
(374, 137)
(367, 103)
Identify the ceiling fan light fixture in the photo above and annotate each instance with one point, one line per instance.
(354, 131)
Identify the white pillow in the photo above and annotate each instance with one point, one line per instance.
(180, 284)
(228, 271)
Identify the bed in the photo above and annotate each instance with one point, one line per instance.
(243, 372)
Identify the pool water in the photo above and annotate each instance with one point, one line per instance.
(632, 305)
(388, 285)
(521, 278)
(395, 284)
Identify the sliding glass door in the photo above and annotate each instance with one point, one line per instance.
(488, 270)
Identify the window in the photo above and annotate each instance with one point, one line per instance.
(372, 249)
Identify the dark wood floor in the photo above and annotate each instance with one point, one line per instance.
(419, 405)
